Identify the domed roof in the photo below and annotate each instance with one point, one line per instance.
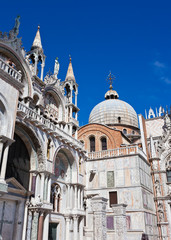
(114, 111)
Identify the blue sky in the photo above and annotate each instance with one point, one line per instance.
(132, 39)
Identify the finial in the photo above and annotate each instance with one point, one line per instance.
(110, 79)
(70, 58)
(38, 27)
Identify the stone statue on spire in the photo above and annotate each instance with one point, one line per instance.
(16, 26)
(56, 67)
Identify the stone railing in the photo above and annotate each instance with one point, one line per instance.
(10, 70)
(116, 152)
(73, 120)
(47, 124)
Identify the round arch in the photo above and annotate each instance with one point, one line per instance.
(64, 164)
(33, 143)
(21, 65)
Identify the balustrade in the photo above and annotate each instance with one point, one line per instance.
(116, 152)
(40, 120)
(10, 70)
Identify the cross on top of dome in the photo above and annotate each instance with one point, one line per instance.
(111, 94)
(110, 79)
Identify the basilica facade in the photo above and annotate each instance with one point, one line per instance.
(109, 179)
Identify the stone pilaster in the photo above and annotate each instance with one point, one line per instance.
(99, 218)
(120, 221)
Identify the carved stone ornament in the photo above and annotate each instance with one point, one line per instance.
(169, 190)
(50, 79)
(36, 202)
(155, 165)
(161, 144)
(168, 163)
(160, 211)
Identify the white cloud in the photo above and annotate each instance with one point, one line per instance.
(166, 80)
(159, 64)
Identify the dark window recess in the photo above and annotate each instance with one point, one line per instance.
(92, 144)
(113, 198)
(168, 175)
(52, 231)
(119, 119)
(18, 163)
(124, 131)
(104, 143)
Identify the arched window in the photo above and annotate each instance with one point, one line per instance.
(92, 144)
(133, 132)
(119, 119)
(168, 173)
(125, 131)
(104, 143)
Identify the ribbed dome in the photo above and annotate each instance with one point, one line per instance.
(114, 111)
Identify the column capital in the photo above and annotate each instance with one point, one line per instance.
(99, 204)
(119, 209)
(6, 140)
(75, 217)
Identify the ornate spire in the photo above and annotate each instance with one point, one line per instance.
(70, 72)
(37, 40)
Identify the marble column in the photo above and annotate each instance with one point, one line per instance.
(67, 219)
(99, 218)
(29, 223)
(42, 185)
(76, 134)
(79, 197)
(76, 99)
(25, 220)
(42, 70)
(37, 188)
(35, 64)
(49, 189)
(76, 197)
(68, 200)
(34, 226)
(81, 229)
(1, 148)
(45, 188)
(40, 227)
(46, 227)
(70, 112)
(120, 221)
(4, 163)
(75, 227)
(71, 196)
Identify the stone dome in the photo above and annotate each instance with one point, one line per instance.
(112, 112)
